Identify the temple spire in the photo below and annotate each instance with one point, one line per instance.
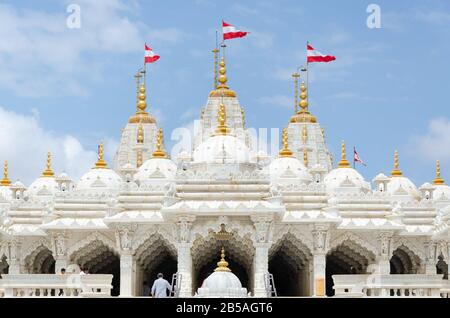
(303, 115)
(222, 128)
(222, 265)
(48, 172)
(396, 172)
(141, 116)
(222, 89)
(438, 180)
(159, 152)
(285, 151)
(343, 163)
(101, 163)
(5, 181)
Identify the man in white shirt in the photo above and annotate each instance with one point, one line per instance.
(160, 287)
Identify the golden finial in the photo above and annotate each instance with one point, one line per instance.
(5, 181)
(296, 76)
(141, 115)
(101, 163)
(343, 163)
(396, 172)
(139, 159)
(305, 157)
(222, 89)
(215, 51)
(140, 134)
(48, 172)
(303, 115)
(222, 265)
(222, 128)
(438, 180)
(304, 134)
(159, 152)
(285, 152)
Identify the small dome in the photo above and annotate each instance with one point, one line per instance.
(340, 176)
(400, 185)
(222, 148)
(288, 167)
(156, 168)
(100, 178)
(43, 186)
(441, 192)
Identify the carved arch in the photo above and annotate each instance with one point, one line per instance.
(348, 236)
(96, 236)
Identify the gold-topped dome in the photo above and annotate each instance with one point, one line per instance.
(343, 163)
(5, 182)
(222, 265)
(222, 128)
(285, 151)
(303, 115)
(141, 115)
(101, 163)
(396, 172)
(159, 152)
(438, 180)
(48, 172)
(222, 89)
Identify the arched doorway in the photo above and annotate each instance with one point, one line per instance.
(289, 261)
(155, 255)
(404, 261)
(346, 258)
(40, 261)
(239, 254)
(98, 258)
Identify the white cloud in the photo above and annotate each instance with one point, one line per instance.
(25, 143)
(277, 100)
(435, 143)
(39, 45)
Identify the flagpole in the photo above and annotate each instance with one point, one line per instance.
(307, 72)
(354, 162)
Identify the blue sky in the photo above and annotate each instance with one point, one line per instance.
(65, 89)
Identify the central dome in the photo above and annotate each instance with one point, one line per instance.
(222, 149)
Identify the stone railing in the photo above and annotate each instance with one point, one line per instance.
(51, 285)
(445, 290)
(395, 285)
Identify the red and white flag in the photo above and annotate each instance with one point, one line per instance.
(316, 56)
(150, 56)
(356, 157)
(230, 32)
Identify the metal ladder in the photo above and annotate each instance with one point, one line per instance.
(270, 285)
(175, 286)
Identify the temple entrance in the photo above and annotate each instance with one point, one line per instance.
(40, 261)
(99, 258)
(155, 255)
(347, 258)
(404, 261)
(290, 255)
(239, 254)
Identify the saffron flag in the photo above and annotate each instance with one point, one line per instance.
(356, 157)
(316, 56)
(150, 56)
(230, 32)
